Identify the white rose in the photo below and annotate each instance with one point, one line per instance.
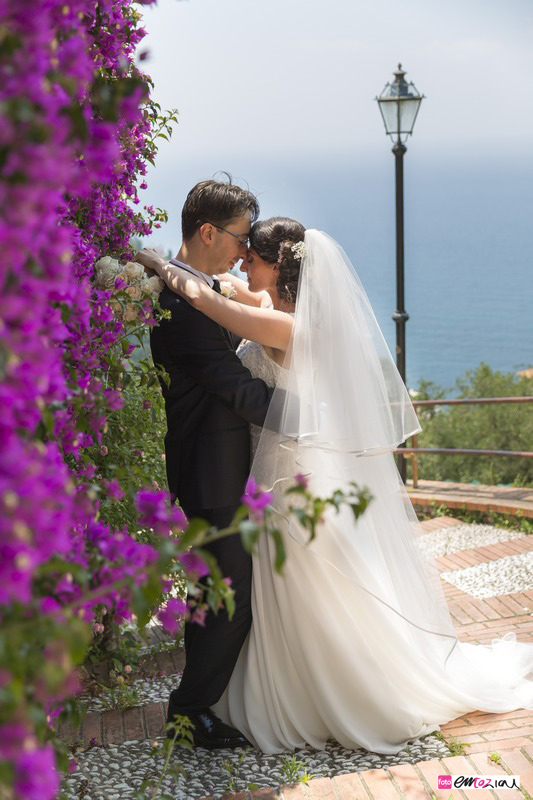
(134, 292)
(105, 271)
(103, 263)
(227, 289)
(105, 281)
(107, 266)
(134, 270)
(154, 285)
(130, 314)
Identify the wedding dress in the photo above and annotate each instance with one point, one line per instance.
(354, 640)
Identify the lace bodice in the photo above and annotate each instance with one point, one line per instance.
(261, 366)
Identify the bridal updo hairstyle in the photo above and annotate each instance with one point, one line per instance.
(218, 202)
(272, 240)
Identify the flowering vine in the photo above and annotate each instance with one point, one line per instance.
(76, 130)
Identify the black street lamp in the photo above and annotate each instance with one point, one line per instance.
(399, 103)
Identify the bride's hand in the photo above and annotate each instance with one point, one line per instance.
(150, 259)
(179, 280)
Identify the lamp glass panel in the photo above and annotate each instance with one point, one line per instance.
(408, 111)
(389, 111)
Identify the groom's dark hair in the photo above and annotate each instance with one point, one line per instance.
(219, 202)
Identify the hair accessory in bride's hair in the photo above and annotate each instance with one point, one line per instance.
(300, 250)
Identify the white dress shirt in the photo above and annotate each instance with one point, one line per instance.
(207, 278)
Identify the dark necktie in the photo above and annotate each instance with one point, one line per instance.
(216, 286)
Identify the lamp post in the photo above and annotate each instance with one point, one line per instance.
(399, 103)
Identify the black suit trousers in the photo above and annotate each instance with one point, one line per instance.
(212, 651)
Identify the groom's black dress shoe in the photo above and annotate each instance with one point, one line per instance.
(210, 732)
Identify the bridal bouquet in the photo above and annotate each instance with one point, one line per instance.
(130, 285)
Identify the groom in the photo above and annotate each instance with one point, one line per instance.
(210, 401)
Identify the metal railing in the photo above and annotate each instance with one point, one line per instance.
(413, 452)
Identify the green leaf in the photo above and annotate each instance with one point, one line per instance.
(195, 533)
(241, 513)
(297, 490)
(229, 601)
(280, 554)
(249, 534)
(77, 635)
(141, 606)
(212, 563)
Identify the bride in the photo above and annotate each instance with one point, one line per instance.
(354, 641)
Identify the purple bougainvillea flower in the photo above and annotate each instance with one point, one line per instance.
(156, 512)
(194, 564)
(37, 777)
(178, 518)
(113, 489)
(301, 480)
(256, 499)
(13, 737)
(172, 614)
(199, 616)
(48, 605)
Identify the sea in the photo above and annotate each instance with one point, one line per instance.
(468, 241)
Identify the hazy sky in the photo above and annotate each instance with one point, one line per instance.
(281, 94)
(281, 90)
(299, 76)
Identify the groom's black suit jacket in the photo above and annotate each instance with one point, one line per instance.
(210, 401)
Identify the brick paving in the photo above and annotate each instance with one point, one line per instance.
(472, 497)
(508, 735)
(413, 782)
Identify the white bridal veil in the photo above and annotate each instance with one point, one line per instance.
(341, 411)
(344, 392)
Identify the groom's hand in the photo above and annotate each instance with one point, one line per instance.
(150, 259)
